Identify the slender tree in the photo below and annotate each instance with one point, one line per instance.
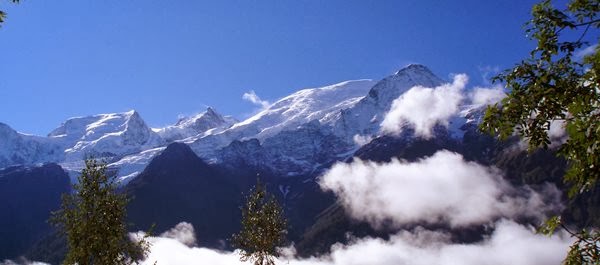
(559, 85)
(263, 228)
(93, 219)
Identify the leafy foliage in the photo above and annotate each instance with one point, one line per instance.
(263, 228)
(585, 250)
(555, 85)
(93, 219)
(3, 14)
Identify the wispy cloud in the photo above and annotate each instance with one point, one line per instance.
(586, 51)
(487, 73)
(255, 99)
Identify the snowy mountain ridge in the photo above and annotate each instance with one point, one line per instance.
(321, 104)
(306, 105)
(22, 149)
(206, 122)
(310, 127)
(105, 135)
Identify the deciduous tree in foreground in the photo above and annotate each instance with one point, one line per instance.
(559, 85)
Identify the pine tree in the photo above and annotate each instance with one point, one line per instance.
(263, 228)
(93, 219)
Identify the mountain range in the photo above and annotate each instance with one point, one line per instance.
(323, 121)
(196, 169)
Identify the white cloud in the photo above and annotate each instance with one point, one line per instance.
(557, 129)
(481, 96)
(177, 246)
(172, 252)
(557, 133)
(422, 108)
(255, 99)
(487, 72)
(509, 244)
(443, 188)
(183, 233)
(362, 139)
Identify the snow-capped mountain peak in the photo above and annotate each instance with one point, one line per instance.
(92, 127)
(209, 120)
(203, 121)
(111, 134)
(415, 70)
(391, 87)
(364, 117)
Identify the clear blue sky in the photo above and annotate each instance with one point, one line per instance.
(60, 59)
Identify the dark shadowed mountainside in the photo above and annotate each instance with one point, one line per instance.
(178, 186)
(28, 195)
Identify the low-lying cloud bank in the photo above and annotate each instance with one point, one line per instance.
(509, 244)
(443, 188)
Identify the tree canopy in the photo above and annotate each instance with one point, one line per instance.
(263, 228)
(558, 87)
(558, 84)
(93, 219)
